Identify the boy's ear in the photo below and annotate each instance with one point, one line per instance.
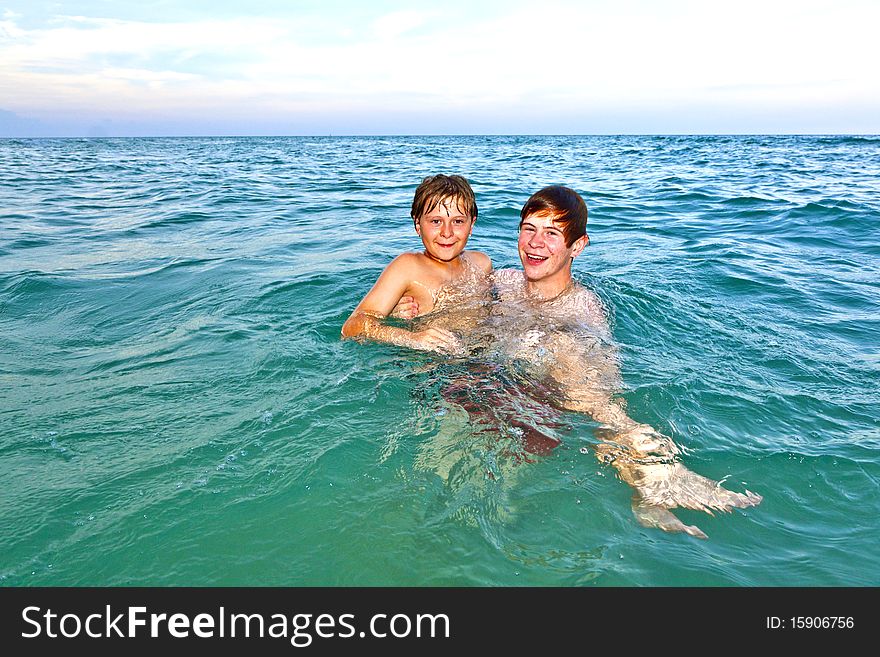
(579, 245)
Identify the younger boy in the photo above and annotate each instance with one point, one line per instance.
(444, 211)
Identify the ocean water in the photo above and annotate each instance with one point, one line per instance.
(176, 406)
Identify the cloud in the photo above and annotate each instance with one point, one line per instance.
(559, 58)
(398, 23)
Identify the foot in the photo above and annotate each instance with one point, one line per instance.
(657, 516)
(671, 485)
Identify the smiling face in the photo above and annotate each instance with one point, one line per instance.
(444, 230)
(545, 257)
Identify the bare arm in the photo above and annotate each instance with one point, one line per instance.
(588, 378)
(644, 458)
(586, 369)
(368, 319)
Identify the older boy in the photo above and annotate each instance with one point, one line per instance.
(444, 210)
(552, 233)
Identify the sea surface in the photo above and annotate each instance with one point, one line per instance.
(177, 407)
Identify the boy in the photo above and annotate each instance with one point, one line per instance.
(443, 211)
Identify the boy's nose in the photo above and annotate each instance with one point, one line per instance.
(446, 230)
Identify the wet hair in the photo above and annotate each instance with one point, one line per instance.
(564, 205)
(438, 189)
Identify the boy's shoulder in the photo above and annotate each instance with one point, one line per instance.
(409, 259)
(586, 305)
(584, 295)
(479, 260)
(584, 299)
(408, 264)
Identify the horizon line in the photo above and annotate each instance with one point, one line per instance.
(512, 134)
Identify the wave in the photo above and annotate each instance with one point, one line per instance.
(154, 314)
(831, 214)
(752, 201)
(32, 284)
(175, 219)
(856, 140)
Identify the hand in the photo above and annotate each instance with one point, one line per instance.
(406, 308)
(437, 339)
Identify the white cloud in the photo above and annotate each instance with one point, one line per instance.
(398, 23)
(561, 57)
(74, 45)
(9, 31)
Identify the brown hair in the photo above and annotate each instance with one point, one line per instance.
(566, 207)
(434, 190)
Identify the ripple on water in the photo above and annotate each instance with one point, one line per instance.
(175, 390)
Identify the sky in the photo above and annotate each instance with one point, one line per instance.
(319, 67)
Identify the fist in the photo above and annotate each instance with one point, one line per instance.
(406, 308)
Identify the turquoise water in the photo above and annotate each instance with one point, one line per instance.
(176, 407)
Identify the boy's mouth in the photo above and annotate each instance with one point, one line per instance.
(535, 259)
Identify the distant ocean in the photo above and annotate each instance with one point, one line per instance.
(176, 406)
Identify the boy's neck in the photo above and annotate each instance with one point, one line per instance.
(548, 289)
(454, 264)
